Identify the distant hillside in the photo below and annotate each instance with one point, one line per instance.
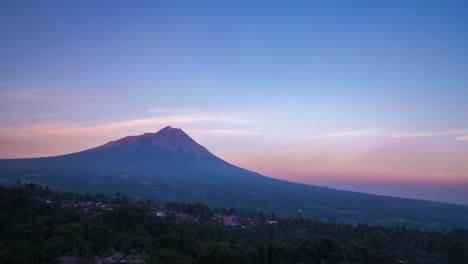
(170, 166)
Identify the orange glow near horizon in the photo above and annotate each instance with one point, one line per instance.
(333, 162)
(390, 161)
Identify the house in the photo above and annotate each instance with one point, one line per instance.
(229, 220)
(182, 216)
(218, 217)
(160, 213)
(244, 223)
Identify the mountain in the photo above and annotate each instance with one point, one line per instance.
(167, 140)
(170, 166)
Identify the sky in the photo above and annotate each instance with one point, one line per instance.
(368, 96)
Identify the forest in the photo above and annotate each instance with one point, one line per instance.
(39, 225)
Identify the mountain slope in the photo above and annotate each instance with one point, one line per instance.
(170, 166)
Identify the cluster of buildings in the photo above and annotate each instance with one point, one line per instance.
(81, 206)
(232, 220)
(229, 220)
(117, 257)
(179, 216)
(96, 208)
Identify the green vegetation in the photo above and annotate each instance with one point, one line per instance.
(37, 228)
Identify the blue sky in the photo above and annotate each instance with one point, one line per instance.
(335, 93)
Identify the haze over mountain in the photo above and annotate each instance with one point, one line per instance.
(170, 166)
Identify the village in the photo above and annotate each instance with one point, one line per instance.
(228, 220)
(97, 208)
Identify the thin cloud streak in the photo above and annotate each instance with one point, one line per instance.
(426, 134)
(45, 139)
(224, 132)
(58, 128)
(172, 110)
(344, 134)
(429, 134)
(215, 116)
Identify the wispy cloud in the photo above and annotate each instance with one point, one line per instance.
(199, 115)
(420, 134)
(224, 132)
(143, 124)
(172, 110)
(57, 138)
(428, 133)
(343, 134)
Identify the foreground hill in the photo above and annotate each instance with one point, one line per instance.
(44, 226)
(170, 166)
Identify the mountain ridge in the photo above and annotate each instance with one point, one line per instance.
(169, 166)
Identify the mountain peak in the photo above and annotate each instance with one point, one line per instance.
(167, 128)
(167, 140)
(170, 130)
